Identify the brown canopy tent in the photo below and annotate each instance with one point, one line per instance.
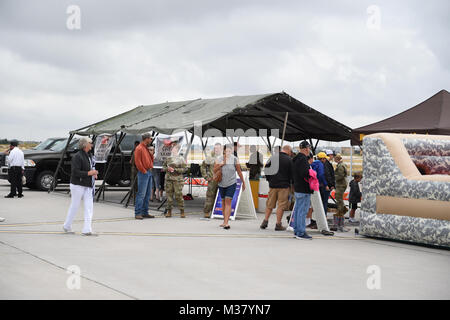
(432, 116)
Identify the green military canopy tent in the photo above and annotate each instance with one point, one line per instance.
(266, 111)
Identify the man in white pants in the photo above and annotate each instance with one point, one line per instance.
(82, 182)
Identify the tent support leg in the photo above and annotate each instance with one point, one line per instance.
(351, 160)
(267, 145)
(189, 145)
(284, 128)
(130, 192)
(315, 147)
(204, 146)
(52, 187)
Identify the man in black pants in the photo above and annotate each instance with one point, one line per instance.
(16, 166)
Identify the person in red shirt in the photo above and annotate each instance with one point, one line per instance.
(143, 160)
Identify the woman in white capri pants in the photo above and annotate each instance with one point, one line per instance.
(82, 182)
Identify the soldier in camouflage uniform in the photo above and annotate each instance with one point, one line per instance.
(207, 169)
(174, 166)
(341, 185)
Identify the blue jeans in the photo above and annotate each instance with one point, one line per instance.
(324, 194)
(144, 190)
(302, 204)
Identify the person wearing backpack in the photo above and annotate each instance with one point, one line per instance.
(302, 190)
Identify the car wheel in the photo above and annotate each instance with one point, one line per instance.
(124, 183)
(44, 180)
(30, 185)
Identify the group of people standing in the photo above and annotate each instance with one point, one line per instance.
(288, 175)
(173, 167)
(291, 178)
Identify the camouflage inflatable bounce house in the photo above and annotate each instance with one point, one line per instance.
(406, 188)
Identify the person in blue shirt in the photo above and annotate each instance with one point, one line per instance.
(319, 167)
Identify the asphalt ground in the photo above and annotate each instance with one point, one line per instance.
(174, 258)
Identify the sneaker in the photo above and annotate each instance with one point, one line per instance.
(305, 236)
(264, 224)
(10, 196)
(2, 219)
(289, 228)
(89, 234)
(20, 196)
(68, 230)
(279, 227)
(351, 220)
(312, 226)
(327, 233)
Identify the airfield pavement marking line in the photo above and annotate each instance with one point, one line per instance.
(25, 224)
(188, 235)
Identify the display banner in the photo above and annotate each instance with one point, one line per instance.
(217, 211)
(103, 145)
(163, 149)
(242, 203)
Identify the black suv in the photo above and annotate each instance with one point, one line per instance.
(47, 144)
(40, 165)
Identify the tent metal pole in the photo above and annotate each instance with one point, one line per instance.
(284, 128)
(351, 160)
(270, 144)
(102, 187)
(52, 187)
(267, 145)
(130, 192)
(189, 145)
(204, 145)
(312, 146)
(315, 147)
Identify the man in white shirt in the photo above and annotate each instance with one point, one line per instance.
(16, 167)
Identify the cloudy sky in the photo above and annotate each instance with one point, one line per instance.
(356, 61)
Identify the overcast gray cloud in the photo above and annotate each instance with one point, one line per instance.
(130, 53)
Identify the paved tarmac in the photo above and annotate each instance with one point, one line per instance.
(190, 258)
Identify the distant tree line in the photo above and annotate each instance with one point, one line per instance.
(6, 141)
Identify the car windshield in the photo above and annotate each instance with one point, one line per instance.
(60, 145)
(44, 144)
